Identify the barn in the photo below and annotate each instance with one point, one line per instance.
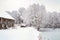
(6, 20)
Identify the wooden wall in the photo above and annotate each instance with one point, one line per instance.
(5, 23)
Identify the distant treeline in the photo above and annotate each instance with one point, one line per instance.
(37, 16)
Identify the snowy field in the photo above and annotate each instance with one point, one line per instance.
(51, 35)
(27, 33)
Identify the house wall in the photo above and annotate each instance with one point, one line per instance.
(5, 23)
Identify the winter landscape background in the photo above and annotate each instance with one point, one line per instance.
(41, 17)
(37, 16)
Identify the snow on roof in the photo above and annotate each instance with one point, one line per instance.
(5, 15)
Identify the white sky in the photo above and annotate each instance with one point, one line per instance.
(51, 5)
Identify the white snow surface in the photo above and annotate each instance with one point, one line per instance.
(28, 33)
(5, 15)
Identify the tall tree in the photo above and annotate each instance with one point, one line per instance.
(16, 15)
(36, 15)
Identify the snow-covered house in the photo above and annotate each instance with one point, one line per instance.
(6, 20)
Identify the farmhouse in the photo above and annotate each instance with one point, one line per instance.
(6, 20)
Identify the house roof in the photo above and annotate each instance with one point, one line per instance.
(6, 15)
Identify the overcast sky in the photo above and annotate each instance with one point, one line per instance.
(51, 5)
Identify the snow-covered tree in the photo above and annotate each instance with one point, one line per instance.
(53, 20)
(16, 16)
(21, 10)
(36, 15)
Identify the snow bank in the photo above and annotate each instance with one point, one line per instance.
(51, 35)
(28, 33)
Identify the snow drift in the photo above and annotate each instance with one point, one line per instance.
(27, 33)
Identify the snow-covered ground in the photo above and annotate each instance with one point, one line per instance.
(51, 35)
(28, 33)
